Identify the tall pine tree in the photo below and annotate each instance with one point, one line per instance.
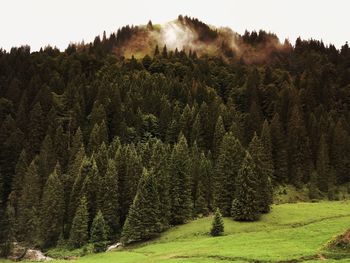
(245, 206)
(144, 218)
(227, 167)
(180, 185)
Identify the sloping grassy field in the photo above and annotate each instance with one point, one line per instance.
(290, 233)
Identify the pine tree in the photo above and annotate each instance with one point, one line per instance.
(94, 139)
(83, 170)
(298, 148)
(322, 165)
(267, 144)
(218, 136)
(186, 122)
(143, 221)
(28, 206)
(77, 141)
(79, 231)
(253, 121)
(7, 224)
(160, 164)
(314, 192)
(61, 145)
(279, 152)
(265, 192)
(227, 167)
(109, 199)
(340, 152)
(99, 232)
(90, 189)
(36, 129)
(52, 210)
(245, 206)
(17, 180)
(200, 202)
(217, 228)
(46, 160)
(101, 157)
(206, 170)
(129, 168)
(11, 144)
(180, 185)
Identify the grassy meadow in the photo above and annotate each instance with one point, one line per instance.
(290, 233)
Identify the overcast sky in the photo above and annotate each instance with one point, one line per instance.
(59, 22)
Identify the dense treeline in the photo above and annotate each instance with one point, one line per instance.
(95, 147)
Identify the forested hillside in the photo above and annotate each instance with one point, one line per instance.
(98, 146)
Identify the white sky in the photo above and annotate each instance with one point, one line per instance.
(59, 22)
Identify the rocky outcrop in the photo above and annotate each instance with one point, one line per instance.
(19, 253)
(114, 246)
(35, 255)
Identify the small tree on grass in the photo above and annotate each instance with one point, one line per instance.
(218, 224)
(99, 232)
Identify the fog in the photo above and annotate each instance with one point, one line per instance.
(59, 22)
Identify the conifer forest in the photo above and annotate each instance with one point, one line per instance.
(123, 138)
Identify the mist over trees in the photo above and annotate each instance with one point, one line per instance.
(96, 147)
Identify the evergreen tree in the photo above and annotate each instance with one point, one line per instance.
(245, 206)
(218, 136)
(180, 185)
(144, 219)
(99, 232)
(79, 231)
(279, 152)
(129, 168)
(36, 129)
(298, 148)
(77, 141)
(314, 192)
(340, 152)
(109, 199)
(75, 194)
(90, 189)
(217, 228)
(206, 171)
(46, 160)
(186, 122)
(17, 180)
(160, 164)
(227, 167)
(322, 165)
(200, 202)
(265, 192)
(267, 144)
(28, 206)
(7, 223)
(52, 210)
(102, 159)
(61, 146)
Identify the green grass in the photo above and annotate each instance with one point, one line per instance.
(290, 231)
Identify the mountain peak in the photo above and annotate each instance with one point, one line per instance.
(186, 33)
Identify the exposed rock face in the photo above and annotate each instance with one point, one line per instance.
(35, 255)
(114, 246)
(19, 253)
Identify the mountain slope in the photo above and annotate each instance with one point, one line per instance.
(290, 232)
